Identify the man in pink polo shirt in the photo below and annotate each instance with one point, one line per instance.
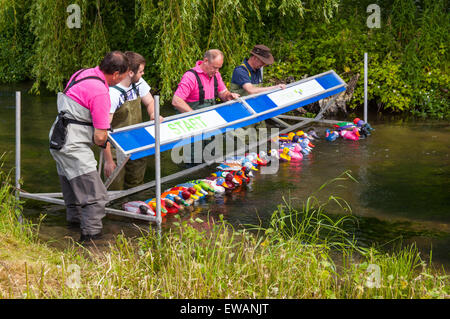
(202, 85)
(83, 120)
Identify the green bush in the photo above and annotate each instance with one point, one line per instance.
(408, 55)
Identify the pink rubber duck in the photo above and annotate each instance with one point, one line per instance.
(350, 135)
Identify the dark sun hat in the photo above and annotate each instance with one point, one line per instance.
(263, 53)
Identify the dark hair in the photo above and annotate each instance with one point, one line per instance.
(134, 60)
(114, 61)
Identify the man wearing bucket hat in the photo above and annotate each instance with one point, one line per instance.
(247, 79)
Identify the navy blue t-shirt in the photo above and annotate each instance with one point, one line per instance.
(241, 75)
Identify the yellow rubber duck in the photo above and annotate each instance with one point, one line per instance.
(285, 154)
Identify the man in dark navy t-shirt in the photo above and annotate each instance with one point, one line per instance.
(247, 77)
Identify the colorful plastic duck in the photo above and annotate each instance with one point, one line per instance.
(169, 206)
(295, 151)
(295, 157)
(264, 156)
(216, 184)
(288, 136)
(331, 135)
(190, 190)
(284, 154)
(305, 147)
(350, 135)
(312, 134)
(344, 126)
(238, 177)
(199, 191)
(177, 199)
(205, 186)
(257, 158)
(364, 128)
(228, 182)
(274, 154)
(360, 123)
(303, 136)
(140, 207)
(185, 195)
(230, 166)
(243, 161)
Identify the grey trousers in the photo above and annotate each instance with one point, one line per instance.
(85, 197)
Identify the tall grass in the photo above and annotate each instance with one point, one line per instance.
(11, 209)
(303, 253)
(311, 224)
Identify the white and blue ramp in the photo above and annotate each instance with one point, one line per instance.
(138, 140)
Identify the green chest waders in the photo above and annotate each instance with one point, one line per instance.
(197, 105)
(242, 134)
(132, 174)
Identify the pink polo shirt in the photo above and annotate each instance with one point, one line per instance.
(93, 95)
(188, 86)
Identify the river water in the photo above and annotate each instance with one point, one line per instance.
(402, 170)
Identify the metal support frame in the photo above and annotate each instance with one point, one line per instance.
(121, 164)
(157, 163)
(113, 195)
(18, 139)
(366, 74)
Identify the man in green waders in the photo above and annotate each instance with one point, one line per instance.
(200, 87)
(126, 98)
(247, 79)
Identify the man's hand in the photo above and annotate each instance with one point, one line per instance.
(100, 137)
(180, 104)
(108, 168)
(152, 117)
(226, 95)
(234, 96)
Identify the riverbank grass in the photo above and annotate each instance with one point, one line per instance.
(302, 254)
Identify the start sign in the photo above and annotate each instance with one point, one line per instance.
(189, 125)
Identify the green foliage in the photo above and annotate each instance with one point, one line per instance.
(184, 30)
(15, 41)
(408, 55)
(60, 50)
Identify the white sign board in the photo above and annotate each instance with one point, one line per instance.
(296, 92)
(191, 125)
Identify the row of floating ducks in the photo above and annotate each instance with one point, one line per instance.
(349, 130)
(237, 171)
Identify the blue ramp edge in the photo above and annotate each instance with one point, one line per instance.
(231, 115)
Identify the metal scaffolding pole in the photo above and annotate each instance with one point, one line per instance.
(157, 163)
(18, 139)
(365, 85)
